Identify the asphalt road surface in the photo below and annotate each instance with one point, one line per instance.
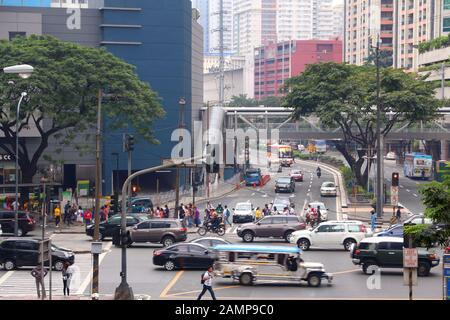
(349, 281)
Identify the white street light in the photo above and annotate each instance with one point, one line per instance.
(24, 70)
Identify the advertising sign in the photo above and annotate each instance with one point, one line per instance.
(83, 188)
(410, 258)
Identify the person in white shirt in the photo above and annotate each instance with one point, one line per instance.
(207, 278)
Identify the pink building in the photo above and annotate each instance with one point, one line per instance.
(274, 63)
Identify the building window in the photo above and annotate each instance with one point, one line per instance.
(324, 48)
(446, 4)
(13, 34)
(446, 25)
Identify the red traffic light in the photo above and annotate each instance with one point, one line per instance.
(395, 179)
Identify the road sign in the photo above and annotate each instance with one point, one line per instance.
(394, 196)
(44, 250)
(410, 258)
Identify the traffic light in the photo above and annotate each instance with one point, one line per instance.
(395, 179)
(128, 142)
(114, 204)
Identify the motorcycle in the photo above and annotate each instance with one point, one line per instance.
(208, 227)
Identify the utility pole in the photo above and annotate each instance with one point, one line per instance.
(222, 57)
(379, 192)
(95, 260)
(443, 81)
(182, 104)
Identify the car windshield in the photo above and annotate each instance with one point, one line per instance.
(284, 180)
(296, 172)
(244, 207)
(328, 185)
(253, 174)
(142, 218)
(316, 204)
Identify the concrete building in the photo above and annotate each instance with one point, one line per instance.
(211, 63)
(203, 7)
(234, 85)
(364, 20)
(254, 24)
(275, 63)
(131, 30)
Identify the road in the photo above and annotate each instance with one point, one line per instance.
(349, 283)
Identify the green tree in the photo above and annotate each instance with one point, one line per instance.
(272, 101)
(343, 96)
(63, 95)
(436, 198)
(242, 101)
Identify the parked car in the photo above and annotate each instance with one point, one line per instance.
(297, 175)
(328, 189)
(387, 252)
(286, 184)
(243, 212)
(322, 207)
(183, 256)
(331, 234)
(210, 242)
(20, 252)
(395, 230)
(109, 228)
(163, 231)
(281, 226)
(26, 222)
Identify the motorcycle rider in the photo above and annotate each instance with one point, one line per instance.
(215, 221)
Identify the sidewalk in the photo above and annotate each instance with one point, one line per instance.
(363, 214)
(57, 297)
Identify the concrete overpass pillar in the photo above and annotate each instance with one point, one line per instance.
(444, 150)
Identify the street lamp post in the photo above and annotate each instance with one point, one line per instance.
(379, 192)
(24, 71)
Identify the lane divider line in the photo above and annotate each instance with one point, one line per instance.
(171, 284)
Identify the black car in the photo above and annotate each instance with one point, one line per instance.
(109, 228)
(183, 256)
(26, 222)
(286, 184)
(20, 252)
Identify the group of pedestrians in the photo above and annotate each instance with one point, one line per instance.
(39, 273)
(73, 212)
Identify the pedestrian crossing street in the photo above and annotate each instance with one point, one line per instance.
(21, 283)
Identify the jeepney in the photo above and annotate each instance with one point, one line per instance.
(250, 263)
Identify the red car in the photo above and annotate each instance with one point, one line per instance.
(297, 175)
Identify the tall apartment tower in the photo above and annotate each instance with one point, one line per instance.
(254, 24)
(203, 7)
(364, 21)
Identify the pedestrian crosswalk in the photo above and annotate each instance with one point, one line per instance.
(20, 282)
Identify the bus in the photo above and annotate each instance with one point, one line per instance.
(418, 165)
(442, 170)
(284, 153)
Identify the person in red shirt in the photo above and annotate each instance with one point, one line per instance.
(106, 212)
(87, 216)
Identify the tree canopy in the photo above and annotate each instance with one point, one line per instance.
(63, 95)
(344, 96)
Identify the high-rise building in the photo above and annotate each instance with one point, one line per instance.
(276, 62)
(364, 21)
(254, 24)
(203, 7)
(401, 25)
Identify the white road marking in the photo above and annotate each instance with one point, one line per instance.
(407, 190)
(309, 190)
(402, 187)
(415, 195)
(253, 194)
(6, 276)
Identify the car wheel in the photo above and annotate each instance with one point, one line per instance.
(168, 241)
(423, 269)
(169, 265)
(288, 236)
(314, 280)
(366, 267)
(58, 265)
(348, 243)
(246, 279)
(9, 265)
(303, 244)
(248, 236)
